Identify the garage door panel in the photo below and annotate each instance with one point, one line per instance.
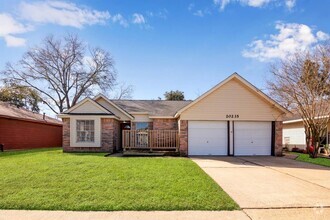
(252, 138)
(207, 124)
(207, 138)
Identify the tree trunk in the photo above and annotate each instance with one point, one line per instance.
(316, 149)
(315, 143)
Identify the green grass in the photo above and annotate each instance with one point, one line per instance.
(51, 180)
(318, 161)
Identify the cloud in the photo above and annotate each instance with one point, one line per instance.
(138, 19)
(118, 18)
(199, 13)
(62, 13)
(290, 4)
(159, 14)
(291, 37)
(191, 6)
(12, 41)
(202, 13)
(254, 3)
(9, 27)
(322, 36)
(51, 12)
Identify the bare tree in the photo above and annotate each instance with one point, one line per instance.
(302, 83)
(123, 91)
(63, 71)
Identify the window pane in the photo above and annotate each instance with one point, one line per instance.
(85, 130)
(142, 125)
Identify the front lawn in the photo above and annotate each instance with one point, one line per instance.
(319, 161)
(51, 180)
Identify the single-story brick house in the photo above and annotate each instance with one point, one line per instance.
(23, 129)
(233, 118)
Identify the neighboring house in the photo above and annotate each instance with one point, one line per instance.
(233, 118)
(294, 133)
(23, 129)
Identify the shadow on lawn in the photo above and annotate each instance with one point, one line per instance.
(49, 151)
(85, 154)
(31, 151)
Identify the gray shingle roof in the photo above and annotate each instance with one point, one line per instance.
(9, 111)
(291, 117)
(153, 107)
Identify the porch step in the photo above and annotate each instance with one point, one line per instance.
(149, 154)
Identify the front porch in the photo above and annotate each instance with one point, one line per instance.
(150, 140)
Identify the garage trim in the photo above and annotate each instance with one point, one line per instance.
(273, 139)
(228, 138)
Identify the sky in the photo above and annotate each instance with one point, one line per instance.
(162, 45)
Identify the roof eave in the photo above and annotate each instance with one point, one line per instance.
(113, 104)
(159, 117)
(82, 102)
(86, 115)
(59, 123)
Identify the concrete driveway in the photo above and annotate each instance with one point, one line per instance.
(269, 182)
(262, 184)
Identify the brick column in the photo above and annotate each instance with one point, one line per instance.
(107, 134)
(66, 133)
(116, 134)
(278, 138)
(133, 126)
(150, 125)
(183, 134)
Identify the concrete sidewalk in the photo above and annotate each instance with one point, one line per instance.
(246, 214)
(122, 215)
(289, 214)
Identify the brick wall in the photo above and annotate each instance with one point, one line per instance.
(110, 129)
(18, 134)
(165, 124)
(278, 138)
(183, 135)
(66, 133)
(116, 134)
(107, 135)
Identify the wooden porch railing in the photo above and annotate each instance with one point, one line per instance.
(150, 139)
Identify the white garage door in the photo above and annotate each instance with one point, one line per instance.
(252, 138)
(207, 138)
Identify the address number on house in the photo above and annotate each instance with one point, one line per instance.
(232, 116)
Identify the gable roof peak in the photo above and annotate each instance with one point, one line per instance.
(111, 102)
(87, 99)
(243, 81)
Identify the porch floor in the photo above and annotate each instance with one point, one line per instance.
(135, 153)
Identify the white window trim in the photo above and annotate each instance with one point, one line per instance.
(73, 131)
(84, 130)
